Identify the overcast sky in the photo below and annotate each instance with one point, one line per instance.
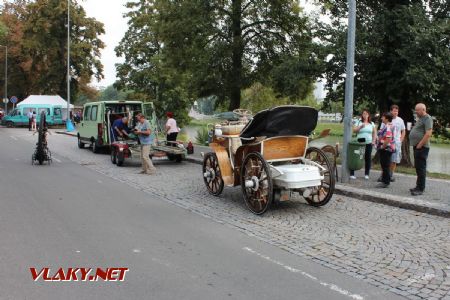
(110, 13)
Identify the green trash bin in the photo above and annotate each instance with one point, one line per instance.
(355, 156)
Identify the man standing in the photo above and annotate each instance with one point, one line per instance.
(144, 133)
(419, 138)
(30, 119)
(399, 135)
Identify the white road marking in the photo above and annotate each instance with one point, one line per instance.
(331, 286)
(57, 160)
(78, 251)
(136, 251)
(14, 138)
(99, 181)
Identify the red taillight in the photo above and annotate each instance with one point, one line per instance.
(100, 133)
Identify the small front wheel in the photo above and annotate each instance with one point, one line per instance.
(211, 174)
(323, 193)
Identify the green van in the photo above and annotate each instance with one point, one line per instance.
(95, 126)
(18, 116)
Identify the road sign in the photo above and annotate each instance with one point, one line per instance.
(13, 99)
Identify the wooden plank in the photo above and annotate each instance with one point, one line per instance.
(224, 163)
(284, 148)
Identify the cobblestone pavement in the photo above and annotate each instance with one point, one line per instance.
(403, 251)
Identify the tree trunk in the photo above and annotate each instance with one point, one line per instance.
(237, 50)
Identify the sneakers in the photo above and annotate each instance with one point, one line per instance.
(353, 177)
(382, 185)
(366, 177)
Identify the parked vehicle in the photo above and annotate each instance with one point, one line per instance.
(270, 159)
(18, 116)
(99, 116)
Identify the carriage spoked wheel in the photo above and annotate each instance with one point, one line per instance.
(322, 194)
(211, 174)
(256, 183)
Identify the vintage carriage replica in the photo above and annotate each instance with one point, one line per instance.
(270, 159)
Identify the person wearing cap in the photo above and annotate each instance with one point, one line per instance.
(171, 128)
(120, 128)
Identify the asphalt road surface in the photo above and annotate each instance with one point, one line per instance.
(67, 216)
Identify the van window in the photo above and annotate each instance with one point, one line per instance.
(94, 113)
(57, 112)
(47, 111)
(26, 110)
(87, 113)
(16, 112)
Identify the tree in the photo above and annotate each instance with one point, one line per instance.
(209, 48)
(402, 54)
(38, 40)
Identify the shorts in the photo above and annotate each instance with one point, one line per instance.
(397, 155)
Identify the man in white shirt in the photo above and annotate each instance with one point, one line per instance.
(399, 135)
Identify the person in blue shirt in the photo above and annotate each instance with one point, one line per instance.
(119, 128)
(146, 136)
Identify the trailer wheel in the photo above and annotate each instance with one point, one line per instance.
(324, 192)
(113, 155)
(256, 183)
(120, 159)
(178, 158)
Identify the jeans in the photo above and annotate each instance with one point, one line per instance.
(367, 160)
(420, 163)
(385, 161)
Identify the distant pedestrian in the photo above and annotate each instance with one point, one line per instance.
(386, 146)
(30, 119)
(419, 139)
(145, 135)
(33, 121)
(171, 128)
(366, 130)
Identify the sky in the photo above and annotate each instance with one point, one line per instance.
(110, 13)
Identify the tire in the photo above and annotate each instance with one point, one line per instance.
(171, 157)
(214, 182)
(95, 147)
(255, 169)
(9, 124)
(80, 143)
(113, 156)
(179, 158)
(120, 159)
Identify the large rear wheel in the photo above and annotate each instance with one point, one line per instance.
(322, 194)
(211, 174)
(256, 183)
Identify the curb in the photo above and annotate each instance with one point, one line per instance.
(381, 198)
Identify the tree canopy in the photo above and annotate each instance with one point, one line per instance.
(183, 50)
(37, 44)
(402, 54)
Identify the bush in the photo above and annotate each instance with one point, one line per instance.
(202, 136)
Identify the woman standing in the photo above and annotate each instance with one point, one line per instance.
(33, 121)
(171, 128)
(365, 129)
(386, 146)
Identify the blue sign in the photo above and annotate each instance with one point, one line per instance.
(13, 99)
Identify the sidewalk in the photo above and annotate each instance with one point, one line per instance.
(435, 200)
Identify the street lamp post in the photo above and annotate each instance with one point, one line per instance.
(69, 125)
(349, 80)
(6, 78)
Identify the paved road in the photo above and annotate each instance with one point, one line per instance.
(66, 215)
(396, 250)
